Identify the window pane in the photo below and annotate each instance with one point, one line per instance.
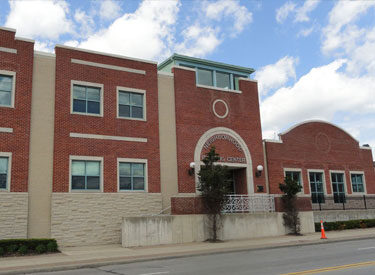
(138, 184)
(136, 99)
(236, 84)
(3, 165)
(93, 94)
(125, 183)
(360, 188)
(78, 168)
(125, 169)
(3, 181)
(124, 111)
(79, 92)
(92, 168)
(138, 169)
(137, 112)
(4, 98)
(93, 107)
(6, 83)
(222, 80)
(79, 105)
(78, 182)
(93, 183)
(205, 77)
(123, 98)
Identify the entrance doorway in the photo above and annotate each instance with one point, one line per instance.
(237, 180)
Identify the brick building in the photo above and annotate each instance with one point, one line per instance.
(88, 138)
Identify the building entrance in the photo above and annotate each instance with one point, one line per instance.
(237, 180)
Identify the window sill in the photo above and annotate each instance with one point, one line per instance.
(131, 118)
(132, 191)
(85, 191)
(6, 106)
(4, 190)
(86, 114)
(219, 89)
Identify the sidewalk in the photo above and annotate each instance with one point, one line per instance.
(90, 256)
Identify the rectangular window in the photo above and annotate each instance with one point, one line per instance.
(316, 185)
(4, 172)
(86, 99)
(357, 183)
(85, 175)
(294, 175)
(131, 176)
(223, 80)
(236, 84)
(338, 187)
(6, 87)
(205, 77)
(130, 105)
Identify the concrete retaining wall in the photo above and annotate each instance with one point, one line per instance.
(83, 219)
(13, 215)
(343, 215)
(174, 229)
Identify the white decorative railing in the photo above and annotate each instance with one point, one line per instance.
(249, 203)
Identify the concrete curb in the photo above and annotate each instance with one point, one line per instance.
(95, 263)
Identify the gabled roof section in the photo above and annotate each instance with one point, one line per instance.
(204, 62)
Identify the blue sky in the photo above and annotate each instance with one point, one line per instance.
(313, 59)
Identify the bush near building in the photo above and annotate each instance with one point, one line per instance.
(342, 225)
(15, 247)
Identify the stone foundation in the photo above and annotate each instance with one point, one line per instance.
(13, 215)
(88, 219)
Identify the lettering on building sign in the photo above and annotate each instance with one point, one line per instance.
(230, 159)
(222, 137)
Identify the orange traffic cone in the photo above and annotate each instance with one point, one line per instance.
(322, 230)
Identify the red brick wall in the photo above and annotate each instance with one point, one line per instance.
(65, 122)
(318, 145)
(194, 116)
(18, 117)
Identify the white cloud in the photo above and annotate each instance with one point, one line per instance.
(340, 31)
(44, 46)
(283, 12)
(198, 41)
(275, 75)
(306, 32)
(86, 22)
(109, 9)
(320, 94)
(144, 33)
(43, 19)
(301, 12)
(230, 9)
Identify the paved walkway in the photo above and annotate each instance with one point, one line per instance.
(90, 256)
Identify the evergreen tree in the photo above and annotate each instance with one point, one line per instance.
(290, 188)
(214, 187)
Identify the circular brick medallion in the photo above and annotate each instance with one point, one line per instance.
(220, 108)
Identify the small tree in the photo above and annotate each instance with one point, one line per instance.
(214, 187)
(290, 188)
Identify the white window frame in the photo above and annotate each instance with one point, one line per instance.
(301, 176)
(130, 90)
(13, 95)
(9, 172)
(86, 158)
(364, 182)
(338, 172)
(324, 179)
(131, 160)
(89, 84)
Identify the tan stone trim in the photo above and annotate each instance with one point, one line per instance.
(8, 50)
(118, 138)
(107, 66)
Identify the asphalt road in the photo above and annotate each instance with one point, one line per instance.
(341, 258)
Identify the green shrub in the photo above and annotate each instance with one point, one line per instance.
(342, 225)
(2, 251)
(52, 246)
(12, 248)
(40, 249)
(22, 250)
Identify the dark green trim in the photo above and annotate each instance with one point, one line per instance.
(198, 61)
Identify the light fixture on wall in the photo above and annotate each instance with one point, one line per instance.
(191, 169)
(258, 173)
